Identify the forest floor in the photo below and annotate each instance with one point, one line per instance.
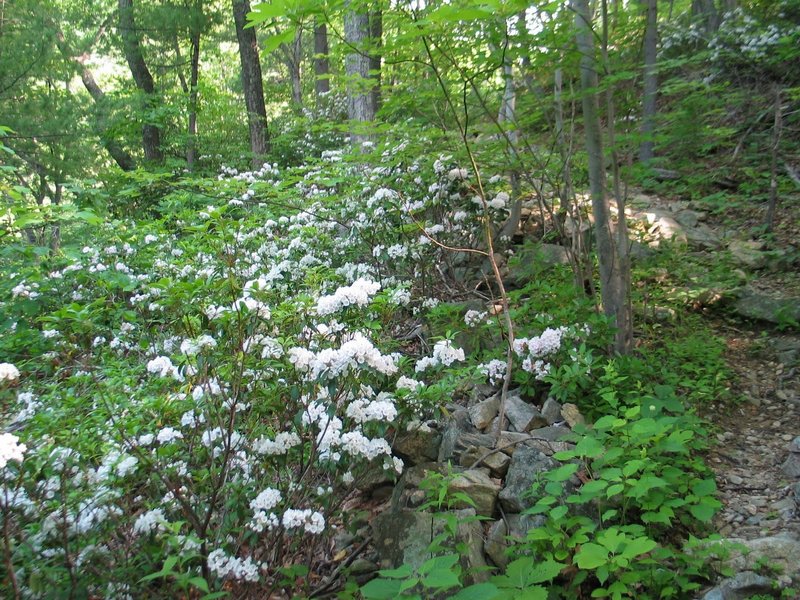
(756, 425)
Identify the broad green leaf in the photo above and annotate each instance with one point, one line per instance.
(381, 589)
(562, 473)
(591, 556)
(479, 591)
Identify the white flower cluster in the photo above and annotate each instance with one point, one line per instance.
(10, 449)
(329, 362)
(473, 318)
(499, 202)
(163, 367)
(357, 294)
(242, 569)
(407, 383)
(313, 522)
(279, 446)
(494, 370)
(8, 372)
(268, 499)
(363, 410)
(193, 347)
(150, 522)
(444, 353)
(533, 350)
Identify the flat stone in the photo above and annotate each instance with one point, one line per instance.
(779, 552)
(418, 445)
(523, 416)
(753, 304)
(572, 415)
(791, 466)
(551, 411)
(483, 413)
(514, 528)
(748, 253)
(479, 487)
(510, 441)
(496, 462)
(526, 465)
(741, 586)
(552, 433)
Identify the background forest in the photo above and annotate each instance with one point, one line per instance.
(289, 288)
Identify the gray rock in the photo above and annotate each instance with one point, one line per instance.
(550, 434)
(510, 441)
(526, 465)
(496, 462)
(478, 487)
(523, 416)
(572, 415)
(748, 253)
(702, 236)
(753, 304)
(458, 424)
(483, 413)
(666, 226)
(404, 537)
(418, 446)
(689, 218)
(791, 466)
(503, 533)
(741, 586)
(553, 254)
(665, 174)
(551, 411)
(778, 552)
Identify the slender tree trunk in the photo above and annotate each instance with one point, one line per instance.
(507, 117)
(116, 151)
(151, 134)
(360, 107)
(191, 142)
(252, 85)
(376, 43)
(322, 84)
(296, 62)
(650, 91)
(612, 290)
(773, 167)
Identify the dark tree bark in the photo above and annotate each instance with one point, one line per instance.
(376, 43)
(293, 57)
(116, 151)
(191, 144)
(360, 107)
(322, 84)
(251, 82)
(650, 91)
(612, 288)
(151, 134)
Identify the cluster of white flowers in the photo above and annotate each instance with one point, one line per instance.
(10, 449)
(407, 383)
(167, 435)
(8, 372)
(163, 367)
(533, 350)
(193, 347)
(268, 499)
(312, 521)
(474, 317)
(282, 443)
(494, 370)
(499, 202)
(356, 352)
(150, 522)
(358, 294)
(363, 410)
(444, 353)
(224, 566)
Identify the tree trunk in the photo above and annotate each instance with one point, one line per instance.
(612, 290)
(360, 107)
(251, 82)
(293, 57)
(376, 42)
(191, 143)
(707, 10)
(507, 116)
(773, 170)
(151, 134)
(117, 152)
(650, 91)
(322, 84)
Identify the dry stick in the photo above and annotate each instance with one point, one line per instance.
(330, 580)
(489, 238)
(509, 445)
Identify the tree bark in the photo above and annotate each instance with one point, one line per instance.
(151, 134)
(360, 107)
(191, 143)
(116, 151)
(252, 84)
(612, 289)
(322, 84)
(650, 87)
(376, 43)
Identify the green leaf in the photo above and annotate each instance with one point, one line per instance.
(479, 591)
(562, 473)
(704, 487)
(199, 583)
(381, 589)
(591, 556)
(702, 512)
(400, 572)
(441, 579)
(638, 546)
(272, 43)
(545, 571)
